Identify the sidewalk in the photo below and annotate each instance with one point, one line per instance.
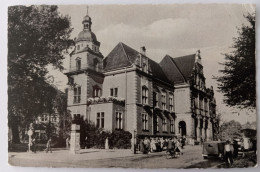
(67, 156)
(61, 155)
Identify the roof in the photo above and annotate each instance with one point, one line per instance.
(117, 58)
(86, 35)
(185, 64)
(124, 56)
(178, 69)
(171, 70)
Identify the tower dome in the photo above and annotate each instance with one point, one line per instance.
(86, 35)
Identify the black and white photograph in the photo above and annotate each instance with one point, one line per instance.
(149, 86)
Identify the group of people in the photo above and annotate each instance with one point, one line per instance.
(147, 145)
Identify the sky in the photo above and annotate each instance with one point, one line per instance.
(174, 29)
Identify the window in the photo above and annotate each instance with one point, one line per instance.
(163, 100)
(78, 64)
(77, 93)
(171, 103)
(155, 98)
(95, 64)
(164, 125)
(157, 124)
(172, 126)
(96, 91)
(113, 92)
(100, 119)
(145, 121)
(78, 47)
(119, 120)
(144, 95)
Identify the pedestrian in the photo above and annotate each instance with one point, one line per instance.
(67, 143)
(106, 144)
(34, 144)
(146, 145)
(183, 141)
(153, 145)
(142, 149)
(171, 146)
(228, 151)
(235, 146)
(201, 141)
(48, 146)
(178, 146)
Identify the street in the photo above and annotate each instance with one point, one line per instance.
(100, 158)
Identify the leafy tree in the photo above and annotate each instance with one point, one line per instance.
(230, 130)
(37, 37)
(238, 82)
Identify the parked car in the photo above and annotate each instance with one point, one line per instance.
(213, 149)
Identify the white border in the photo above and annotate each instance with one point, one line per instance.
(3, 75)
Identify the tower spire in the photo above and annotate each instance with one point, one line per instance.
(87, 22)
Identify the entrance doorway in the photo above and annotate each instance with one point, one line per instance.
(182, 128)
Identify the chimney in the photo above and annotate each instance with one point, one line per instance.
(143, 50)
(198, 57)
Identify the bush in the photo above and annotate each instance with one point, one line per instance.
(120, 139)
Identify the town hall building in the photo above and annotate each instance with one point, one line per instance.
(126, 90)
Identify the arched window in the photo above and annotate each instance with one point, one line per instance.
(78, 64)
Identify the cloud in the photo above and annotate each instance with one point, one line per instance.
(157, 34)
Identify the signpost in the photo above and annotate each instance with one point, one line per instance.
(30, 133)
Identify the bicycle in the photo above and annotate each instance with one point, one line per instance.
(172, 154)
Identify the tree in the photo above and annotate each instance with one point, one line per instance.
(230, 130)
(37, 37)
(238, 82)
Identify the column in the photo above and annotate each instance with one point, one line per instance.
(75, 139)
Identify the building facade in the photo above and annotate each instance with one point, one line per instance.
(129, 91)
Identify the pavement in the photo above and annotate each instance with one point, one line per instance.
(68, 156)
(100, 158)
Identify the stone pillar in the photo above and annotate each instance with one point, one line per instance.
(75, 139)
